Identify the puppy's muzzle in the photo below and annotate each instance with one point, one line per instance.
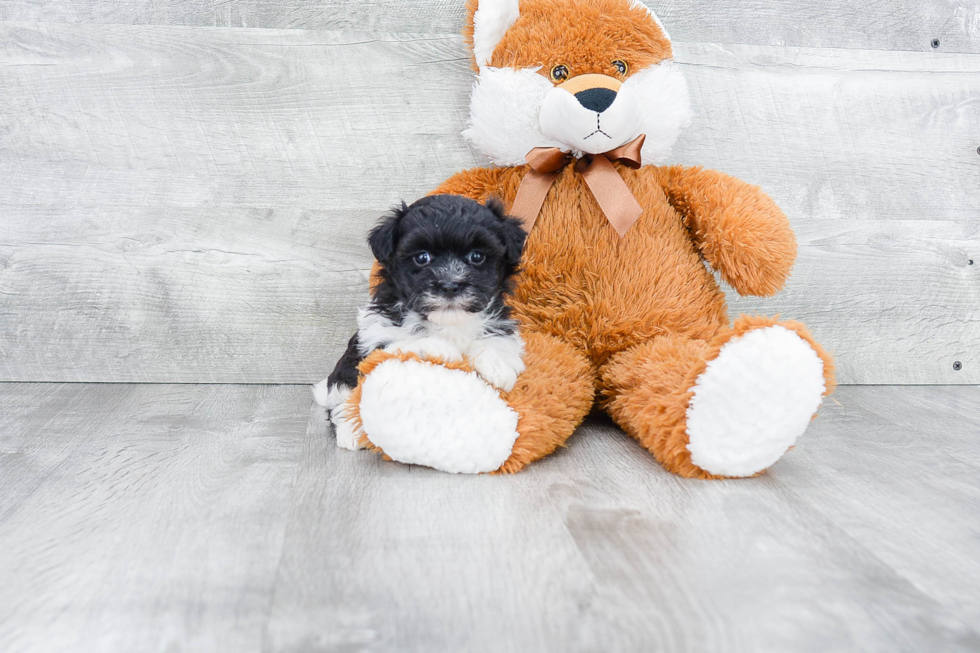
(594, 92)
(449, 289)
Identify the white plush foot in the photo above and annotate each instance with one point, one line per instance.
(753, 401)
(334, 399)
(426, 414)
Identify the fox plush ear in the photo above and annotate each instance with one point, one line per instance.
(656, 19)
(383, 239)
(511, 232)
(486, 23)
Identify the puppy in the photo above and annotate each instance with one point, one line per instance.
(447, 263)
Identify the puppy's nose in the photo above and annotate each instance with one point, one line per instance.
(449, 287)
(596, 99)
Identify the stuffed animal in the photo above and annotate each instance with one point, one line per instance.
(577, 103)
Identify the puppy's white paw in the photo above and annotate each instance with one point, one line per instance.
(334, 399)
(427, 348)
(498, 361)
(348, 435)
(330, 396)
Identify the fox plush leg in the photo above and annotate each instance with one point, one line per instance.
(552, 397)
(442, 415)
(728, 407)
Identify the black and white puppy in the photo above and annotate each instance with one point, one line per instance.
(447, 264)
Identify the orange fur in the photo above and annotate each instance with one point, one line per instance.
(552, 32)
(635, 318)
(551, 398)
(647, 388)
(738, 229)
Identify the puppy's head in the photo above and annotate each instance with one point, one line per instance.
(447, 253)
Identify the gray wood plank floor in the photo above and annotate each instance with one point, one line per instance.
(140, 517)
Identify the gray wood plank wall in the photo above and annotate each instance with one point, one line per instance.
(874, 24)
(188, 205)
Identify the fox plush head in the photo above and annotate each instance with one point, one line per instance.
(585, 76)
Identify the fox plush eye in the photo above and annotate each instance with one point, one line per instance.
(559, 73)
(476, 257)
(422, 259)
(621, 66)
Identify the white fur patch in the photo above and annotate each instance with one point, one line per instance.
(427, 348)
(321, 392)
(330, 396)
(490, 22)
(334, 399)
(753, 401)
(514, 111)
(564, 119)
(375, 331)
(451, 335)
(665, 108)
(653, 101)
(460, 328)
(425, 414)
(505, 108)
(348, 435)
(498, 361)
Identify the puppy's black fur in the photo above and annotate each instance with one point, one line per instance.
(442, 252)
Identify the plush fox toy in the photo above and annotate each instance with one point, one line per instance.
(577, 102)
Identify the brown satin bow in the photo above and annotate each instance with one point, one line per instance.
(608, 188)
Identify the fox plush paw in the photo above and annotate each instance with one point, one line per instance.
(753, 401)
(423, 413)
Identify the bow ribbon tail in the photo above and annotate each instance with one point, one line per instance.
(530, 196)
(612, 194)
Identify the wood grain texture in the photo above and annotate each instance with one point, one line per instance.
(597, 548)
(921, 508)
(137, 518)
(183, 518)
(225, 294)
(877, 24)
(189, 205)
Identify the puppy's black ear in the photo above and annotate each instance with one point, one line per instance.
(497, 207)
(384, 237)
(511, 230)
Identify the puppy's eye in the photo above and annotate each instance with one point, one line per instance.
(422, 259)
(621, 66)
(559, 73)
(476, 257)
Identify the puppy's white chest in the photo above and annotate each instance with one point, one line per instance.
(458, 327)
(454, 335)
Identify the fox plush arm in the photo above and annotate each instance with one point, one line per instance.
(738, 228)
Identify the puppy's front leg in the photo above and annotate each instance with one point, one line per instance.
(498, 360)
(332, 393)
(427, 348)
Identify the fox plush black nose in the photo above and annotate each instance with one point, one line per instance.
(596, 99)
